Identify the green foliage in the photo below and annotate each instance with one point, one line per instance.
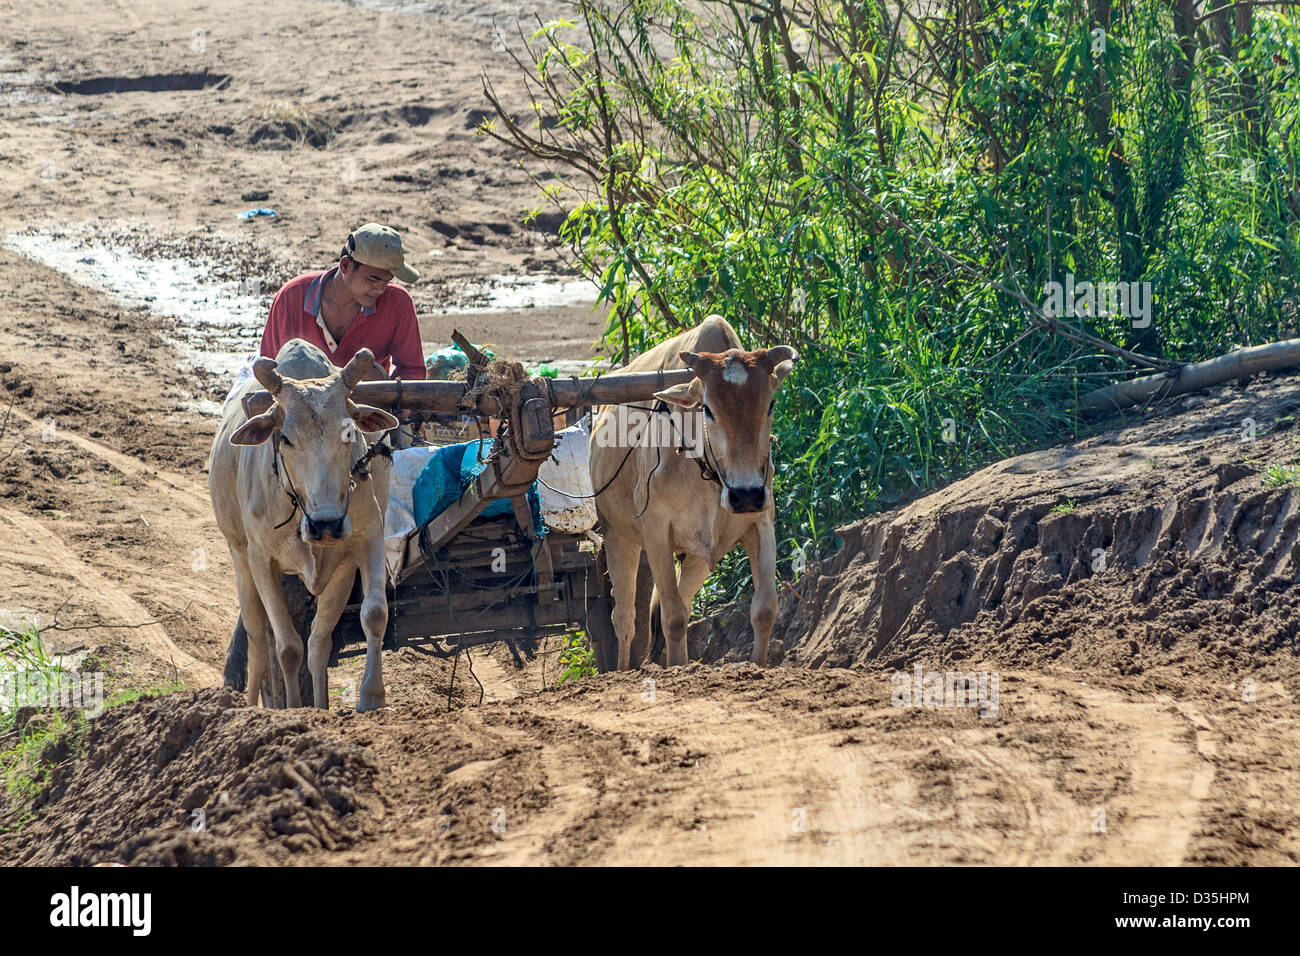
(29, 755)
(24, 653)
(129, 694)
(1275, 476)
(577, 659)
(26, 766)
(813, 175)
(23, 765)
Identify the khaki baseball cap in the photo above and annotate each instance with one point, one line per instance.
(380, 247)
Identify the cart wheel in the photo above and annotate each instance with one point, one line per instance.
(302, 608)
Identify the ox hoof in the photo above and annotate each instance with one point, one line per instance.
(369, 703)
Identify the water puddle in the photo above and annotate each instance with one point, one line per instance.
(19, 88)
(509, 293)
(219, 321)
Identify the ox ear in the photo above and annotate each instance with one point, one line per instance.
(371, 419)
(689, 358)
(686, 395)
(256, 430)
(782, 359)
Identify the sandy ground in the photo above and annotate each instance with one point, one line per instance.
(1121, 733)
(187, 107)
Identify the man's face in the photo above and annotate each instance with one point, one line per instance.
(365, 283)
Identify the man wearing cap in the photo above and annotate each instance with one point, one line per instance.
(352, 306)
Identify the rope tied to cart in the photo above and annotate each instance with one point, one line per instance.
(706, 460)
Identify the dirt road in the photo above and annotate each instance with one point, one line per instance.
(705, 766)
(1145, 714)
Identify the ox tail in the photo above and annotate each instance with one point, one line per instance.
(657, 639)
(236, 675)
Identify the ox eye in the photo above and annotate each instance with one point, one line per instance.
(708, 413)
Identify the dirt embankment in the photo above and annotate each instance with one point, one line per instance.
(737, 765)
(1153, 549)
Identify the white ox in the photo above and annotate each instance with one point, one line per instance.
(654, 499)
(297, 459)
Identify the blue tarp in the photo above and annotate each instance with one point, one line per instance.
(449, 471)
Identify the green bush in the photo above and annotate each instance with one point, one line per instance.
(853, 179)
(577, 659)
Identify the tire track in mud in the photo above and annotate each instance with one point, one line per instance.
(1152, 819)
(28, 546)
(710, 772)
(125, 587)
(189, 495)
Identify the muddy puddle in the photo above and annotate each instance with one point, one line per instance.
(202, 283)
(506, 293)
(219, 322)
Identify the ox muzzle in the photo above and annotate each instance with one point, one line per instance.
(744, 500)
(325, 531)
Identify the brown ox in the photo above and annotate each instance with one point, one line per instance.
(654, 496)
(290, 496)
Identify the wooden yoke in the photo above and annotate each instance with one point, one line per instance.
(529, 435)
(446, 398)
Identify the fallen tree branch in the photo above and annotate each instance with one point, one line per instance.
(56, 626)
(4, 425)
(1189, 378)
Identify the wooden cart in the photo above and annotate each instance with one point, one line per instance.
(452, 592)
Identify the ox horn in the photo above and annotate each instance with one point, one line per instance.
(781, 353)
(781, 361)
(264, 371)
(356, 369)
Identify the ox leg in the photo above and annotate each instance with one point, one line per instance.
(329, 608)
(235, 675)
(760, 545)
(374, 621)
(623, 558)
(253, 615)
(694, 570)
(691, 576)
(673, 612)
(288, 642)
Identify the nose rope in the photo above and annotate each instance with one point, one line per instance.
(711, 470)
(707, 471)
(290, 491)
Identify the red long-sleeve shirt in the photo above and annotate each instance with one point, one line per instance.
(389, 330)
